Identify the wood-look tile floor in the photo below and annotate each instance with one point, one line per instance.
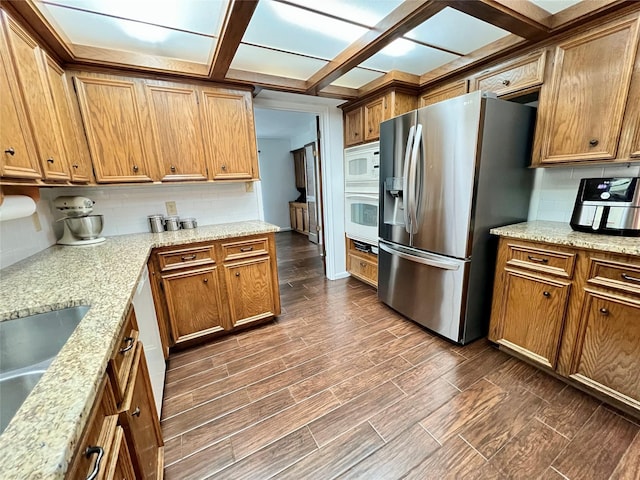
(340, 386)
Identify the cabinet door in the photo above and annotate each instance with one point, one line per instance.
(19, 159)
(515, 76)
(444, 92)
(71, 134)
(353, 128)
(28, 68)
(533, 314)
(299, 167)
(194, 303)
(299, 219)
(374, 113)
(177, 132)
(292, 216)
(607, 355)
(121, 467)
(583, 111)
(229, 134)
(140, 419)
(114, 131)
(250, 289)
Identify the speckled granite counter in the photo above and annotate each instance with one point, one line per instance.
(562, 234)
(40, 440)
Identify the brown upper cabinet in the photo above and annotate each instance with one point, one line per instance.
(26, 60)
(229, 134)
(111, 117)
(582, 107)
(515, 76)
(444, 92)
(177, 131)
(362, 123)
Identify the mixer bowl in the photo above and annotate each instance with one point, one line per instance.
(85, 228)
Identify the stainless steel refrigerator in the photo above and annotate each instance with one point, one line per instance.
(449, 173)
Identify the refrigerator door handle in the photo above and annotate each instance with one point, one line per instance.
(432, 262)
(405, 180)
(413, 181)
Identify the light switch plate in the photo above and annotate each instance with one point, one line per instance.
(248, 186)
(171, 208)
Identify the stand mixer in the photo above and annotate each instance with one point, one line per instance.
(80, 227)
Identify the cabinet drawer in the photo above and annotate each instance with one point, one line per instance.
(120, 363)
(619, 276)
(244, 249)
(364, 269)
(186, 257)
(519, 75)
(552, 262)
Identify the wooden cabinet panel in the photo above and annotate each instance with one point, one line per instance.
(583, 110)
(543, 260)
(374, 113)
(26, 57)
(114, 130)
(229, 134)
(120, 465)
(244, 249)
(194, 303)
(177, 132)
(120, 363)
(299, 213)
(532, 316)
(514, 76)
(607, 356)
(250, 290)
(299, 167)
(362, 265)
(79, 163)
(444, 92)
(19, 159)
(353, 127)
(186, 257)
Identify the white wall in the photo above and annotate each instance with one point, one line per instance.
(278, 183)
(555, 189)
(308, 135)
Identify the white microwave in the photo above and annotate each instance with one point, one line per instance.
(362, 168)
(361, 217)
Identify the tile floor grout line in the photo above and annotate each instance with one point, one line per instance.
(559, 472)
(430, 434)
(472, 447)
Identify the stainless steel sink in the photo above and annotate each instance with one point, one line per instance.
(27, 347)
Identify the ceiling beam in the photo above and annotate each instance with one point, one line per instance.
(524, 19)
(236, 21)
(400, 21)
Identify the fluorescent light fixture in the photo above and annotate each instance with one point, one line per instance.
(319, 23)
(398, 48)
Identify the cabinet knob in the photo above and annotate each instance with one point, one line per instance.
(546, 294)
(224, 167)
(355, 134)
(135, 168)
(206, 280)
(50, 160)
(136, 412)
(237, 274)
(593, 142)
(604, 311)
(173, 168)
(10, 151)
(370, 130)
(506, 82)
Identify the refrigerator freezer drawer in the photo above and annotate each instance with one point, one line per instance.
(429, 289)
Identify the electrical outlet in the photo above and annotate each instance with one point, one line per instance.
(248, 186)
(36, 222)
(171, 208)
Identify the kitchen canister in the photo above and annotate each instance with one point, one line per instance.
(172, 223)
(187, 223)
(156, 223)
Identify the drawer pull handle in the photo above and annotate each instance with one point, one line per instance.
(10, 151)
(604, 311)
(136, 412)
(630, 278)
(128, 341)
(546, 294)
(96, 466)
(593, 142)
(188, 257)
(246, 249)
(538, 259)
(50, 160)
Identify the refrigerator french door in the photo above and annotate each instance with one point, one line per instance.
(448, 173)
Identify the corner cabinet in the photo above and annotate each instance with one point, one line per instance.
(211, 288)
(229, 134)
(582, 108)
(571, 311)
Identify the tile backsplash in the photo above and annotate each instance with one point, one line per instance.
(555, 189)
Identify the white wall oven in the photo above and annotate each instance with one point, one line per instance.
(361, 176)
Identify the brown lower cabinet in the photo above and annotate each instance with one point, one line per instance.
(573, 312)
(122, 439)
(211, 288)
(362, 265)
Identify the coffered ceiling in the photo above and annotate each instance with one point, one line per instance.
(338, 48)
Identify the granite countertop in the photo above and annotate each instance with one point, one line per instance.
(561, 234)
(41, 438)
